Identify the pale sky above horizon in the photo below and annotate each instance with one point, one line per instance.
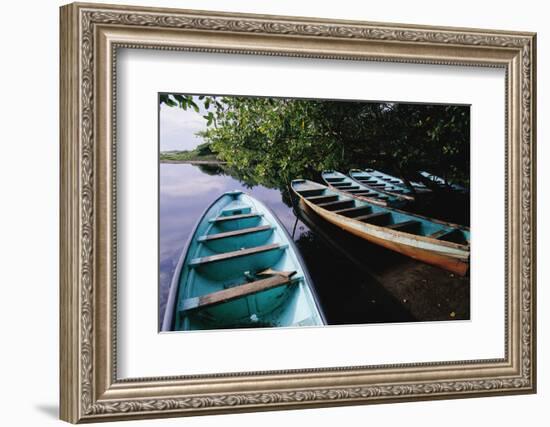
(178, 127)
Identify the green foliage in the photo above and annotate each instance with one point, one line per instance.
(204, 149)
(181, 101)
(272, 141)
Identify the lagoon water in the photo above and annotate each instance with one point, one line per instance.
(356, 282)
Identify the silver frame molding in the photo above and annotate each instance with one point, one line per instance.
(90, 36)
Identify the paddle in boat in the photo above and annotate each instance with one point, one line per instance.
(434, 242)
(240, 269)
(338, 181)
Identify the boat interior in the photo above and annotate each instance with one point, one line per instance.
(379, 181)
(240, 272)
(344, 183)
(394, 180)
(369, 213)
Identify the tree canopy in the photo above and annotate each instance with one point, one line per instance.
(274, 140)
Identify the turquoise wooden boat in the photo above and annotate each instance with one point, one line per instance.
(341, 182)
(419, 187)
(425, 239)
(372, 179)
(240, 269)
(441, 183)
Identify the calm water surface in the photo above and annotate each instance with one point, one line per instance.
(347, 272)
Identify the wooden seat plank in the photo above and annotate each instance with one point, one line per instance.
(441, 233)
(235, 217)
(335, 204)
(377, 217)
(323, 198)
(311, 192)
(405, 225)
(370, 195)
(355, 211)
(235, 292)
(235, 254)
(234, 233)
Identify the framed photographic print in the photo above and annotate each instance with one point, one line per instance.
(266, 212)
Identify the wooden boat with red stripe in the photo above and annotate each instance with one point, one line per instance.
(434, 242)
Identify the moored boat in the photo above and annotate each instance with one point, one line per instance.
(240, 269)
(371, 179)
(419, 187)
(440, 183)
(434, 242)
(341, 182)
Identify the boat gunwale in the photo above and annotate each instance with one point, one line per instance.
(379, 228)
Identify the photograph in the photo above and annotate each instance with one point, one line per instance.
(291, 212)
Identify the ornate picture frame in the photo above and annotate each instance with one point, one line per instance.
(90, 37)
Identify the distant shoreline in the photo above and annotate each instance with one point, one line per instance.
(195, 162)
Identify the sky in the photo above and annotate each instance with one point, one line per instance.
(178, 127)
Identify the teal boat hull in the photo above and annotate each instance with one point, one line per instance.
(232, 273)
